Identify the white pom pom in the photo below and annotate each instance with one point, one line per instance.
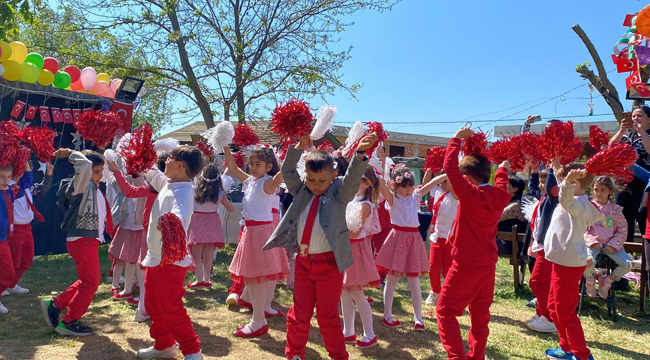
(353, 216)
(124, 140)
(220, 136)
(355, 133)
(324, 121)
(528, 207)
(300, 168)
(165, 145)
(110, 155)
(107, 175)
(227, 182)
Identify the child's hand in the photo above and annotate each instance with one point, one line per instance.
(575, 174)
(610, 249)
(596, 246)
(112, 166)
(505, 164)
(303, 141)
(62, 153)
(556, 163)
(367, 142)
(381, 153)
(464, 132)
(49, 169)
(159, 225)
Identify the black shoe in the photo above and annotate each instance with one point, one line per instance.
(51, 312)
(73, 328)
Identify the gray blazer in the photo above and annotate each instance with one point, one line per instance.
(332, 209)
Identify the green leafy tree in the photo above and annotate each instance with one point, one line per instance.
(12, 13)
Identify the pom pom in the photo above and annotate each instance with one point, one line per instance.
(244, 136)
(476, 145)
(219, 136)
(373, 128)
(325, 146)
(239, 159)
(165, 145)
(324, 121)
(138, 151)
(10, 129)
(20, 161)
(174, 243)
(353, 216)
(107, 175)
(227, 182)
(597, 137)
(11, 151)
(528, 142)
(373, 226)
(613, 161)
(207, 152)
(559, 140)
(41, 141)
(509, 148)
(528, 206)
(291, 120)
(98, 126)
(435, 159)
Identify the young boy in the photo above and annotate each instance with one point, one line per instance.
(470, 280)
(86, 217)
(565, 248)
(164, 283)
(323, 245)
(7, 271)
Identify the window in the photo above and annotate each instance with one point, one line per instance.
(395, 150)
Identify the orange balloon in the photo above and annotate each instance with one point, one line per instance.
(642, 22)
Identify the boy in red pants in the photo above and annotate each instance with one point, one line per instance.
(7, 271)
(323, 243)
(565, 248)
(470, 280)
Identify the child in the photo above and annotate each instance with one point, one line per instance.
(260, 270)
(205, 228)
(86, 217)
(606, 237)
(565, 248)
(403, 253)
(470, 280)
(7, 270)
(445, 206)
(324, 245)
(164, 282)
(363, 273)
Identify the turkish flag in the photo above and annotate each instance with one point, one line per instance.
(635, 78)
(76, 113)
(45, 113)
(628, 20)
(18, 109)
(125, 111)
(67, 116)
(642, 89)
(57, 117)
(31, 112)
(623, 64)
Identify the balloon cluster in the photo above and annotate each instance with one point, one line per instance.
(16, 64)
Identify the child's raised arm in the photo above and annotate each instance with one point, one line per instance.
(288, 168)
(272, 184)
(232, 165)
(388, 195)
(432, 183)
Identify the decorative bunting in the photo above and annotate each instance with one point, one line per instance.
(17, 109)
(45, 114)
(31, 112)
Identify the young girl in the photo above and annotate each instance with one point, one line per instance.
(606, 237)
(260, 269)
(363, 273)
(403, 252)
(205, 233)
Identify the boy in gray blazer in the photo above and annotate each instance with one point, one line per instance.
(324, 245)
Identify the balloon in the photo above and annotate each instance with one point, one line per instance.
(103, 77)
(115, 84)
(36, 59)
(30, 73)
(108, 94)
(5, 51)
(18, 51)
(13, 70)
(88, 78)
(101, 87)
(61, 80)
(45, 77)
(73, 71)
(51, 64)
(76, 86)
(2, 70)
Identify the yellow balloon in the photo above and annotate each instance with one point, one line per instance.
(103, 77)
(18, 51)
(45, 77)
(13, 70)
(5, 51)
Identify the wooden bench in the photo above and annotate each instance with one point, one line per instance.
(638, 248)
(518, 262)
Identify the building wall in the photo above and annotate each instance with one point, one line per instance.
(410, 149)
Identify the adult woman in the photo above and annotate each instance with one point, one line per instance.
(512, 214)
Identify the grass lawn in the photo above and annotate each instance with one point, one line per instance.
(24, 334)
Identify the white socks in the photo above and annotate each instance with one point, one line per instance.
(129, 275)
(270, 292)
(207, 263)
(117, 272)
(197, 253)
(140, 274)
(348, 299)
(258, 299)
(389, 293)
(416, 298)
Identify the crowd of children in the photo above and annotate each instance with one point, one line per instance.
(326, 241)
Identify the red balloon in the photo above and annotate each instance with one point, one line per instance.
(74, 72)
(51, 64)
(76, 86)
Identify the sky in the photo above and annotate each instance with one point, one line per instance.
(428, 67)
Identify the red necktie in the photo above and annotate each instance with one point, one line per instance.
(309, 225)
(10, 211)
(38, 215)
(435, 210)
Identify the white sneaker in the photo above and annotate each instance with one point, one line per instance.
(3, 309)
(533, 319)
(18, 290)
(195, 356)
(151, 353)
(232, 299)
(296, 358)
(141, 317)
(532, 303)
(432, 299)
(542, 325)
(5, 293)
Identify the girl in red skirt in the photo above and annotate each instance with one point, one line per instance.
(205, 233)
(403, 253)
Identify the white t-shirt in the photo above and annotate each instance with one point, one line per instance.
(257, 204)
(318, 243)
(446, 214)
(404, 211)
(23, 214)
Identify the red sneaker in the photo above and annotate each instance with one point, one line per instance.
(115, 290)
(367, 344)
(206, 284)
(392, 322)
(277, 314)
(419, 327)
(352, 339)
(261, 331)
(194, 285)
(133, 301)
(244, 304)
(370, 300)
(118, 296)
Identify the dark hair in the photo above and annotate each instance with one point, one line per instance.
(209, 187)
(191, 156)
(520, 184)
(372, 191)
(160, 161)
(645, 108)
(606, 181)
(96, 158)
(319, 160)
(406, 181)
(553, 121)
(341, 165)
(266, 155)
(543, 174)
(7, 168)
(476, 166)
(585, 182)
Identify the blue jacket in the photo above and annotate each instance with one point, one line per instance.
(4, 215)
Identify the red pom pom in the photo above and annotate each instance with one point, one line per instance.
(559, 140)
(41, 141)
(373, 128)
(204, 149)
(174, 246)
(476, 145)
(291, 120)
(244, 136)
(98, 126)
(10, 129)
(20, 161)
(613, 161)
(239, 159)
(435, 159)
(528, 142)
(325, 146)
(509, 148)
(11, 151)
(597, 137)
(138, 152)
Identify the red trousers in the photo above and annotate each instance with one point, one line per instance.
(78, 296)
(7, 271)
(563, 301)
(237, 285)
(164, 303)
(377, 242)
(318, 282)
(22, 250)
(440, 262)
(463, 288)
(540, 283)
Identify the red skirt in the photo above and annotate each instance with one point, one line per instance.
(403, 254)
(363, 273)
(254, 264)
(205, 228)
